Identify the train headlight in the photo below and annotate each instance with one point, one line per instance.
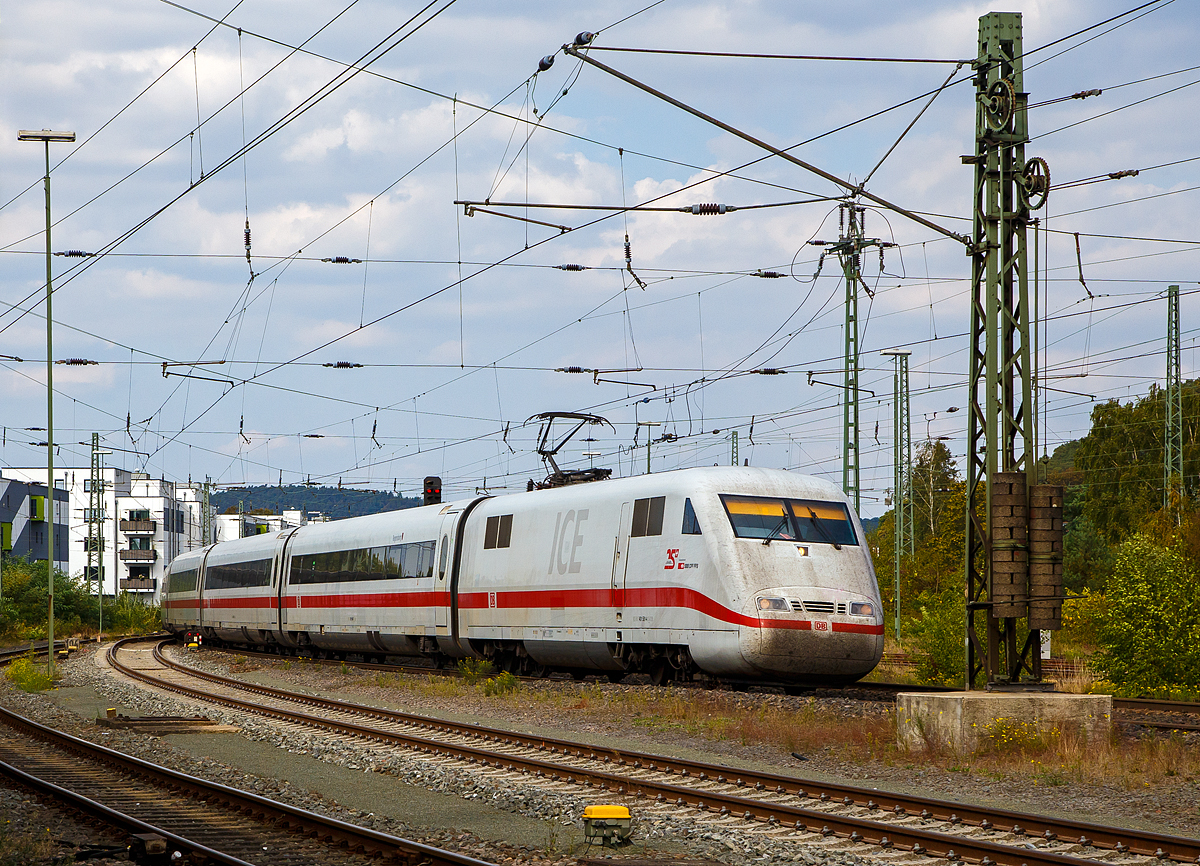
(862, 608)
(772, 604)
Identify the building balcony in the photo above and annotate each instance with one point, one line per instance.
(138, 555)
(139, 526)
(138, 584)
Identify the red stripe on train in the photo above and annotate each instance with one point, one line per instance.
(665, 596)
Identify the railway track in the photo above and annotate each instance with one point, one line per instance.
(855, 819)
(203, 821)
(882, 691)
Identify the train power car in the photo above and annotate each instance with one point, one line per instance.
(739, 573)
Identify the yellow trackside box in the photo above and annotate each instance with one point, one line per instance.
(607, 825)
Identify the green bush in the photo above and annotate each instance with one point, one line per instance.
(938, 634)
(474, 670)
(128, 614)
(501, 684)
(1150, 640)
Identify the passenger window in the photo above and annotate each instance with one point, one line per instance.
(445, 553)
(505, 535)
(648, 516)
(490, 531)
(691, 526)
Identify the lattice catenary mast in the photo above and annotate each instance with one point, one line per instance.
(903, 536)
(1014, 525)
(1173, 428)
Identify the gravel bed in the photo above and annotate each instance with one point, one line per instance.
(1169, 807)
(34, 834)
(656, 834)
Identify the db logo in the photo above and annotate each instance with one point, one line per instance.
(820, 625)
(491, 599)
(672, 556)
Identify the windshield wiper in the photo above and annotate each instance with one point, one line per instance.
(778, 526)
(821, 529)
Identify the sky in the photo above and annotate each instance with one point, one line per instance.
(349, 130)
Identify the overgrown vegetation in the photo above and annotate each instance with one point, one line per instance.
(24, 602)
(28, 675)
(1131, 565)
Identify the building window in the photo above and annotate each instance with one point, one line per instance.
(144, 542)
(139, 514)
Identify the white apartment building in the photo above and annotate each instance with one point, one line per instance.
(146, 522)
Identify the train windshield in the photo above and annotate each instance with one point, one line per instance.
(805, 520)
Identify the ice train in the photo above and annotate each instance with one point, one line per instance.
(743, 574)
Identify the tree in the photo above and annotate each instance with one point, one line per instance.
(1150, 641)
(1121, 460)
(934, 476)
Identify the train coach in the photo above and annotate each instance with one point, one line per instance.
(735, 572)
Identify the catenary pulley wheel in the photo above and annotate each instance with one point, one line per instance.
(999, 103)
(1035, 183)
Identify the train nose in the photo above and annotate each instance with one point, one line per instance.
(828, 634)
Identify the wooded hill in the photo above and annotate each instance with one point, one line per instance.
(334, 501)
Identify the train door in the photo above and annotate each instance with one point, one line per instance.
(441, 592)
(282, 571)
(620, 558)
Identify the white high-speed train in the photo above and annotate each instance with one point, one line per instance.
(739, 573)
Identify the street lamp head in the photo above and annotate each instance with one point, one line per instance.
(44, 135)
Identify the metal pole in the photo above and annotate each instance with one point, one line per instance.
(1173, 415)
(902, 523)
(49, 431)
(849, 249)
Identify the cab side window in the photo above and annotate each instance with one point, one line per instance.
(498, 531)
(648, 516)
(691, 526)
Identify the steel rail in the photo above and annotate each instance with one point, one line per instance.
(272, 811)
(947, 845)
(1177, 848)
(119, 820)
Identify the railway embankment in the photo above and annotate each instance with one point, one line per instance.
(440, 801)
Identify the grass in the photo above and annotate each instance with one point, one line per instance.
(1012, 749)
(24, 848)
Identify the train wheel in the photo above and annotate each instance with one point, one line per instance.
(660, 673)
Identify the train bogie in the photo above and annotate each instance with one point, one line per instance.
(734, 572)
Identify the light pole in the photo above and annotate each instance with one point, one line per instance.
(46, 136)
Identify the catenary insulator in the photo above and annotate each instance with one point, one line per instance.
(770, 371)
(341, 365)
(708, 209)
(1129, 172)
(545, 63)
(570, 370)
(571, 267)
(1084, 94)
(75, 254)
(342, 260)
(247, 233)
(769, 275)
(584, 38)
(76, 362)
